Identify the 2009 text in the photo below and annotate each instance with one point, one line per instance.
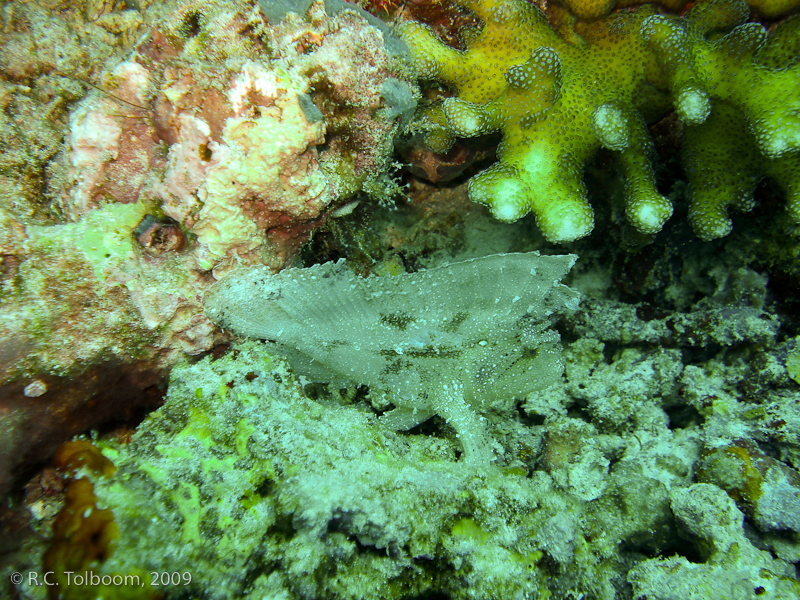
(174, 578)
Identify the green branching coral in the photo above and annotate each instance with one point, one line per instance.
(558, 96)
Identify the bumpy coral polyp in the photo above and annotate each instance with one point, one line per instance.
(555, 103)
(559, 96)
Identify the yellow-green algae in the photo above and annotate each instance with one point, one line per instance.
(793, 365)
(68, 300)
(257, 489)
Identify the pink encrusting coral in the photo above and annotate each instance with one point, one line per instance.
(224, 135)
(112, 145)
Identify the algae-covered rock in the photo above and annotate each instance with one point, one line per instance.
(254, 488)
(259, 486)
(732, 567)
(257, 490)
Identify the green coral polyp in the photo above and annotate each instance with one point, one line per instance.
(558, 96)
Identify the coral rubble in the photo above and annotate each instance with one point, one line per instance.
(258, 490)
(734, 567)
(559, 94)
(629, 478)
